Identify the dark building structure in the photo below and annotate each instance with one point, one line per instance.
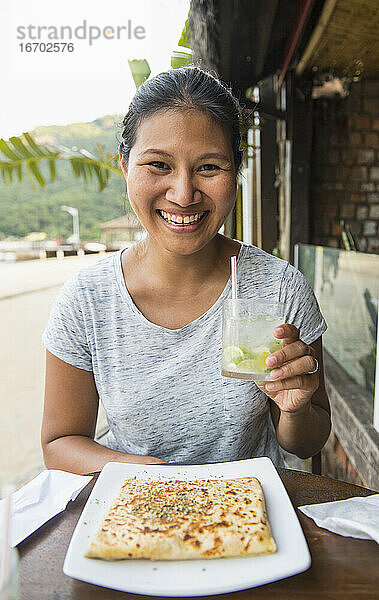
(315, 69)
(307, 73)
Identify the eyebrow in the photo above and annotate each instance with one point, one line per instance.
(217, 155)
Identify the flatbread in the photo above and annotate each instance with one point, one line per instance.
(175, 520)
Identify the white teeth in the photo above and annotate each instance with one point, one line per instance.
(179, 219)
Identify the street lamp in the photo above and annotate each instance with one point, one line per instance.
(75, 223)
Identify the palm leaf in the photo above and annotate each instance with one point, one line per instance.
(182, 55)
(53, 172)
(5, 149)
(140, 70)
(24, 155)
(185, 37)
(34, 170)
(38, 150)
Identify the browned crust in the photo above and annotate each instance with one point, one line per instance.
(175, 520)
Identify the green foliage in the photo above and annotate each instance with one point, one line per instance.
(24, 153)
(182, 58)
(140, 70)
(184, 38)
(27, 206)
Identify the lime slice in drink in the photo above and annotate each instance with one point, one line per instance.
(255, 364)
(260, 360)
(260, 354)
(247, 366)
(232, 354)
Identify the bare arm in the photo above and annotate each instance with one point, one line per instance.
(69, 422)
(299, 404)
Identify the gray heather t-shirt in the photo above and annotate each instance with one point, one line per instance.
(162, 389)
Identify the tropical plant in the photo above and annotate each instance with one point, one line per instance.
(140, 70)
(182, 56)
(23, 152)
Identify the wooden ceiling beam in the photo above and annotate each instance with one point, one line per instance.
(264, 30)
(307, 5)
(324, 19)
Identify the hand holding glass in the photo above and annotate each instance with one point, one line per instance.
(248, 338)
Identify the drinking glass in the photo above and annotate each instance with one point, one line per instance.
(248, 338)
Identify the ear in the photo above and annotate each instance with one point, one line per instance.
(124, 166)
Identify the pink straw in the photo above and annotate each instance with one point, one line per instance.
(233, 263)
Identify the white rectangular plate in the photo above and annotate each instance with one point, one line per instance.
(190, 577)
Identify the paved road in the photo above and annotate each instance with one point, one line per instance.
(27, 291)
(26, 276)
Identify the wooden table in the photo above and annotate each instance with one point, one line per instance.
(342, 568)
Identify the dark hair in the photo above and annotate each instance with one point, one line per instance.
(186, 87)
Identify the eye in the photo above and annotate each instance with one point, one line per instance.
(158, 164)
(209, 167)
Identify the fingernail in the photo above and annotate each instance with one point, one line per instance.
(279, 330)
(270, 386)
(276, 374)
(271, 361)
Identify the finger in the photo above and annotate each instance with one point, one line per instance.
(261, 384)
(289, 352)
(286, 332)
(299, 366)
(308, 383)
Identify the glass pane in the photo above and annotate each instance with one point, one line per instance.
(346, 285)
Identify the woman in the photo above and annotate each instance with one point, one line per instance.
(141, 330)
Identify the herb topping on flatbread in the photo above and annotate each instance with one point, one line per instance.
(174, 520)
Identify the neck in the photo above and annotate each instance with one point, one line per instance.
(184, 272)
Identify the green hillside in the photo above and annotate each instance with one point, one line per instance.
(26, 207)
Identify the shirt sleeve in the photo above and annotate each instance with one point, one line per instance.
(302, 309)
(65, 333)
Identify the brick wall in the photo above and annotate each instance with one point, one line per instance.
(336, 463)
(345, 167)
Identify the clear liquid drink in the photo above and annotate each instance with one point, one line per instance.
(248, 338)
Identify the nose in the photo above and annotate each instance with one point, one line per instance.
(182, 191)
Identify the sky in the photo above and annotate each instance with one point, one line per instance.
(91, 80)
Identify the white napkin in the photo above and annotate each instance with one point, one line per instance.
(355, 517)
(41, 499)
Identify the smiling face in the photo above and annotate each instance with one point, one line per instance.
(181, 179)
